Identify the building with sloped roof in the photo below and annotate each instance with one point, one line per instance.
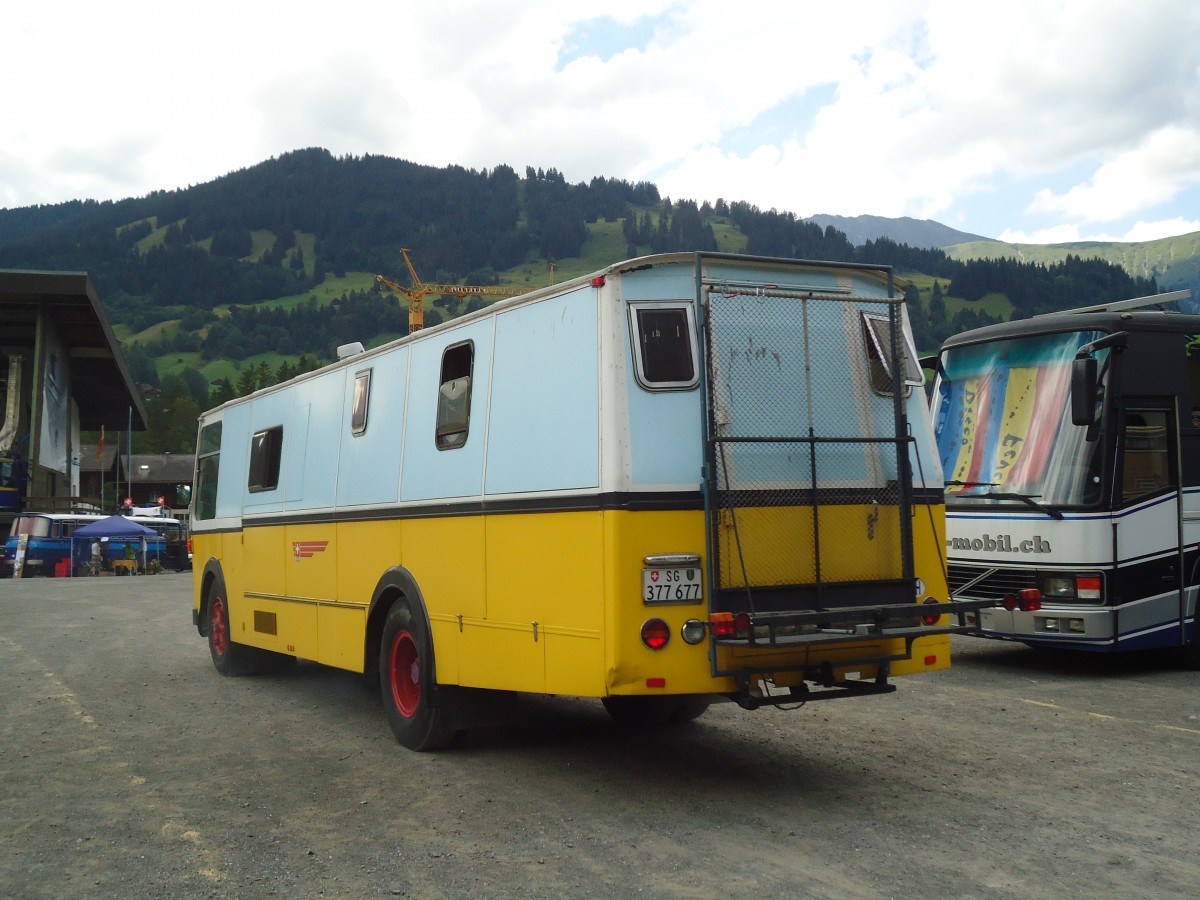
(62, 372)
(143, 478)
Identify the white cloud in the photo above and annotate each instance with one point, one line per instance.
(1152, 172)
(910, 107)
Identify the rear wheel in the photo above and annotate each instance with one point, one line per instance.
(420, 713)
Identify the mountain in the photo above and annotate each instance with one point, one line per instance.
(248, 279)
(1174, 262)
(924, 233)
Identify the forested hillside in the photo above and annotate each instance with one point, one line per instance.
(221, 288)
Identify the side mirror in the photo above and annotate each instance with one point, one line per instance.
(1083, 391)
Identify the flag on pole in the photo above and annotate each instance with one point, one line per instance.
(100, 446)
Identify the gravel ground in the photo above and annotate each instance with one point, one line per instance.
(131, 769)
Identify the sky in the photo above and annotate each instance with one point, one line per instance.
(1030, 121)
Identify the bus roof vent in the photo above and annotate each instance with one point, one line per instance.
(347, 350)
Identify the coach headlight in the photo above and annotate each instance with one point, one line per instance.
(1058, 587)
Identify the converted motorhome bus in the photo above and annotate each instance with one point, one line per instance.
(1070, 445)
(680, 478)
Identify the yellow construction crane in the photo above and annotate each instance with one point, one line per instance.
(416, 294)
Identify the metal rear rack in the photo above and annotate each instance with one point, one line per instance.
(852, 624)
(842, 626)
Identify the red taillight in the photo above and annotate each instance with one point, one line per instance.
(1027, 600)
(1087, 587)
(655, 634)
(721, 624)
(1030, 599)
(598, 281)
(931, 618)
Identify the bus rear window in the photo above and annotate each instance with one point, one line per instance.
(877, 333)
(664, 342)
(34, 526)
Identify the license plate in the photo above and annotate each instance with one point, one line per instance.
(673, 584)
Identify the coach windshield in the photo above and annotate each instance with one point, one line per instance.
(1002, 419)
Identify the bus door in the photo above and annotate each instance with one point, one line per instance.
(808, 491)
(1150, 574)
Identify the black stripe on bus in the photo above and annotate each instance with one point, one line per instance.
(630, 501)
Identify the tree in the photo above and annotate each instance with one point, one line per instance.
(939, 323)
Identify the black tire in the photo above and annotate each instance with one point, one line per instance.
(229, 657)
(691, 708)
(1190, 653)
(421, 715)
(649, 712)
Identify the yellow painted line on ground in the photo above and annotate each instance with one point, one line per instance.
(1040, 703)
(1184, 730)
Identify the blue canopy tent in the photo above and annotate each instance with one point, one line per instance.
(118, 531)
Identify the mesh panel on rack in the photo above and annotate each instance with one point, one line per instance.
(804, 453)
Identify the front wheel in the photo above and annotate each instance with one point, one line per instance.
(228, 656)
(1190, 652)
(419, 712)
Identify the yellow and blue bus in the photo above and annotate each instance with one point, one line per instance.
(685, 477)
(52, 548)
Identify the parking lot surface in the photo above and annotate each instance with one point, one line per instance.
(130, 768)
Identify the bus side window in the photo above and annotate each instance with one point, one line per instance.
(454, 396)
(362, 399)
(266, 451)
(1193, 377)
(1146, 466)
(208, 466)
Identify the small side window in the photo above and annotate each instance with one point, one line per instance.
(1147, 459)
(454, 396)
(362, 400)
(877, 335)
(266, 450)
(664, 338)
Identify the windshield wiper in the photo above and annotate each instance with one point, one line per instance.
(1024, 498)
(1027, 499)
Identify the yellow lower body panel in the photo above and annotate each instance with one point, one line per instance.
(543, 603)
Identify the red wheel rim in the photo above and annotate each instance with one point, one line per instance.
(218, 627)
(405, 674)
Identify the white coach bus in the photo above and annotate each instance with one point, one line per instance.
(1071, 449)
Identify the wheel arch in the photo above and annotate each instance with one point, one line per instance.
(212, 573)
(394, 584)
